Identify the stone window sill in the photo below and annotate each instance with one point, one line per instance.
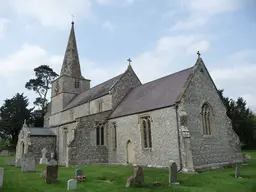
(147, 149)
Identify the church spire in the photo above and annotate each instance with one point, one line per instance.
(71, 64)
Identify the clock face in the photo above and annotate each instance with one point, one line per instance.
(57, 87)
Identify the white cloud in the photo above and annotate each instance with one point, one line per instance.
(237, 76)
(3, 23)
(108, 26)
(105, 2)
(52, 13)
(164, 59)
(201, 11)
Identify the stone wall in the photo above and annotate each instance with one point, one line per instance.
(164, 138)
(83, 149)
(81, 110)
(128, 81)
(40, 142)
(223, 145)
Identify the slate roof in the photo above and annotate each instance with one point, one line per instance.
(93, 93)
(41, 131)
(156, 94)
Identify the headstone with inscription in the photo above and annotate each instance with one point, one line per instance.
(237, 172)
(51, 174)
(28, 163)
(173, 173)
(71, 184)
(79, 172)
(137, 179)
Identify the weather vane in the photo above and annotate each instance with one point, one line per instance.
(198, 53)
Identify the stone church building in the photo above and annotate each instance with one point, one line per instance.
(178, 117)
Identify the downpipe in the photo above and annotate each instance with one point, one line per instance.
(178, 132)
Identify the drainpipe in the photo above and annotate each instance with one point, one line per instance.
(178, 132)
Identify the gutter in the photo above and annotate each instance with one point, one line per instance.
(178, 132)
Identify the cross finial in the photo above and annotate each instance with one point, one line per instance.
(129, 60)
(73, 16)
(198, 53)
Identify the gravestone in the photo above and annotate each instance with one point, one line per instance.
(1, 176)
(237, 173)
(43, 160)
(4, 153)
(28, 163)
(79, 172)
(51, 174)
(52, 162)
(137, 179)
(10, 162)
(173, 173)
(43, 174)
(18, 163)
(72, 184)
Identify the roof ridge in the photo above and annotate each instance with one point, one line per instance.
(166, 76)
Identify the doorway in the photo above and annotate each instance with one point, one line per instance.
(130, 152)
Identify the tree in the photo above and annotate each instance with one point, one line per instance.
(12, 115)
(243, 119)
(41, 84)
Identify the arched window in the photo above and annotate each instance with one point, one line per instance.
(146, 133)
(100, 134)
(76, 84)
(207, 119)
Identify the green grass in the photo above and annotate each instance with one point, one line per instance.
(113, 178)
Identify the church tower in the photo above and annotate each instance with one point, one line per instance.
(70, 82)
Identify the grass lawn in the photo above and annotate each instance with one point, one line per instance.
(113, 178)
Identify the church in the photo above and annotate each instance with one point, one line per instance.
(179, 117)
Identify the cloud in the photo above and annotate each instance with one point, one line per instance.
(3, 23)
(52, 13)
(200, 11)
(108, 26)
(23, 61)
(237, 76)
(105, 2)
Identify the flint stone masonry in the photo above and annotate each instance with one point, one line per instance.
(1, 176)
(164, 139)
(40, 142)
(222, 145)
(83, 149)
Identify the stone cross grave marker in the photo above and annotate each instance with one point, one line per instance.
(43, 160)
(79, 172)
(173, 173)
(28, 163)
(10, 162)
(51, 174)
(1, 176)
(72, 184)
(237, 173)
(137, 179)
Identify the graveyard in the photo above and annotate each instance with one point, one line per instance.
(114, 178)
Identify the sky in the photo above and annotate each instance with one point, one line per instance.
(161, 37)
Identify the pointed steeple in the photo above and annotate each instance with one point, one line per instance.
(71, 64)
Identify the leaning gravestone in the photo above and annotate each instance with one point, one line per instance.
(137, 179)
(173, 173)
(72, 184)
(10, 162)
(18, 163)
(28, 163)
(52, 172)
(79, 172)
(43, 160)
(1, 176)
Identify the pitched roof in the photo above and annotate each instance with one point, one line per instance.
(71, 64)
(93, 93)
(156, 94)
(40, 131)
